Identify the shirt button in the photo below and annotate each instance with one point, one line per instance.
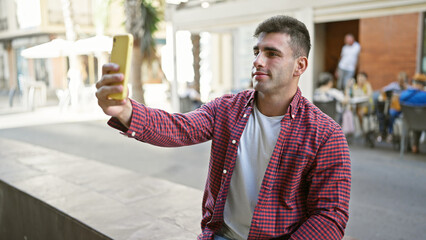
(245, 115)
(292, 116)
(233, 141)
(133, 134)
(224, 171)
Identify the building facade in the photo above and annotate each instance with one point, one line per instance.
(24, 24)
(391, 34)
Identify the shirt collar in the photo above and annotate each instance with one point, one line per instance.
(294, 104)
(251, 97)
(292, 109)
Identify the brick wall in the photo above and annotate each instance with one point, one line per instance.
(388, 46)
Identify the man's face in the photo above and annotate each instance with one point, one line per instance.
(349, 40)
(274, 64)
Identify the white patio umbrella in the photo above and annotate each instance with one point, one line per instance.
(92, 45)
(60, 47)
(55, 48)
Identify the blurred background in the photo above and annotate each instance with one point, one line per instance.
(54, 49)
(187, 52)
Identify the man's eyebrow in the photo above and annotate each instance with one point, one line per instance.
(271, 49)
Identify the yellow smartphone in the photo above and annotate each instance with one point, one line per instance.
(121, 54)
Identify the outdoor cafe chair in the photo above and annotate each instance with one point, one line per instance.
(328, 108)
(414, 119)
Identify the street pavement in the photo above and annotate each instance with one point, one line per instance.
(387, 198)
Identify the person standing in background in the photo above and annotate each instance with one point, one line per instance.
(348, 61)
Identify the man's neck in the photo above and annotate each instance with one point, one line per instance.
(273, 105)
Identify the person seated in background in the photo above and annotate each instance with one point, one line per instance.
(359, 89)
(415, 96)
(391, 93)
(397, 86)
(326, 93)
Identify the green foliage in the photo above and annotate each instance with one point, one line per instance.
(142, 20)
(151, 16)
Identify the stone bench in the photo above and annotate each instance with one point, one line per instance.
(46, 194)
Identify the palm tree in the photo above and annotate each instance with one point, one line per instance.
(195, 38)
(142, 18)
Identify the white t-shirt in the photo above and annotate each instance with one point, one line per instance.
(349, 56)
(254, 152)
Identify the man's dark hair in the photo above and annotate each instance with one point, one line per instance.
(300, 41)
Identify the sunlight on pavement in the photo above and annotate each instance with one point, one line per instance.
(49, 115)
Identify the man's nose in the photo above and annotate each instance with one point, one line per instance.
(259, 60)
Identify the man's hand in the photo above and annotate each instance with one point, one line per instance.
(109, 84)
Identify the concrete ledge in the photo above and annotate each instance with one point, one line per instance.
(24, 217)
(65, 193)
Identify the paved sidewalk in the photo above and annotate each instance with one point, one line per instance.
(18, 116)
(47, 115)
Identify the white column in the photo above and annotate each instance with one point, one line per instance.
(306, 82)
(174, 83)
(170, 60)
(243, 55)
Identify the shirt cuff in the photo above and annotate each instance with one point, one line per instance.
(135, 130)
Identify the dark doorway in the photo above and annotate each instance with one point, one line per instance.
(335, 33)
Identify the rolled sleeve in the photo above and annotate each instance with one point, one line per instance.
(161, 128)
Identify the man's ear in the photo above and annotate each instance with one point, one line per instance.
(300, 66)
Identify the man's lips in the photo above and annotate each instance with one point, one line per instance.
(258, 75)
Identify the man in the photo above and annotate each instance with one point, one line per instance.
(279, 167)
(348, 61)
(415, 96)
(397, 86)
(391, 91)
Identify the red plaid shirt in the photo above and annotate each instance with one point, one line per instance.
(306, 187)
